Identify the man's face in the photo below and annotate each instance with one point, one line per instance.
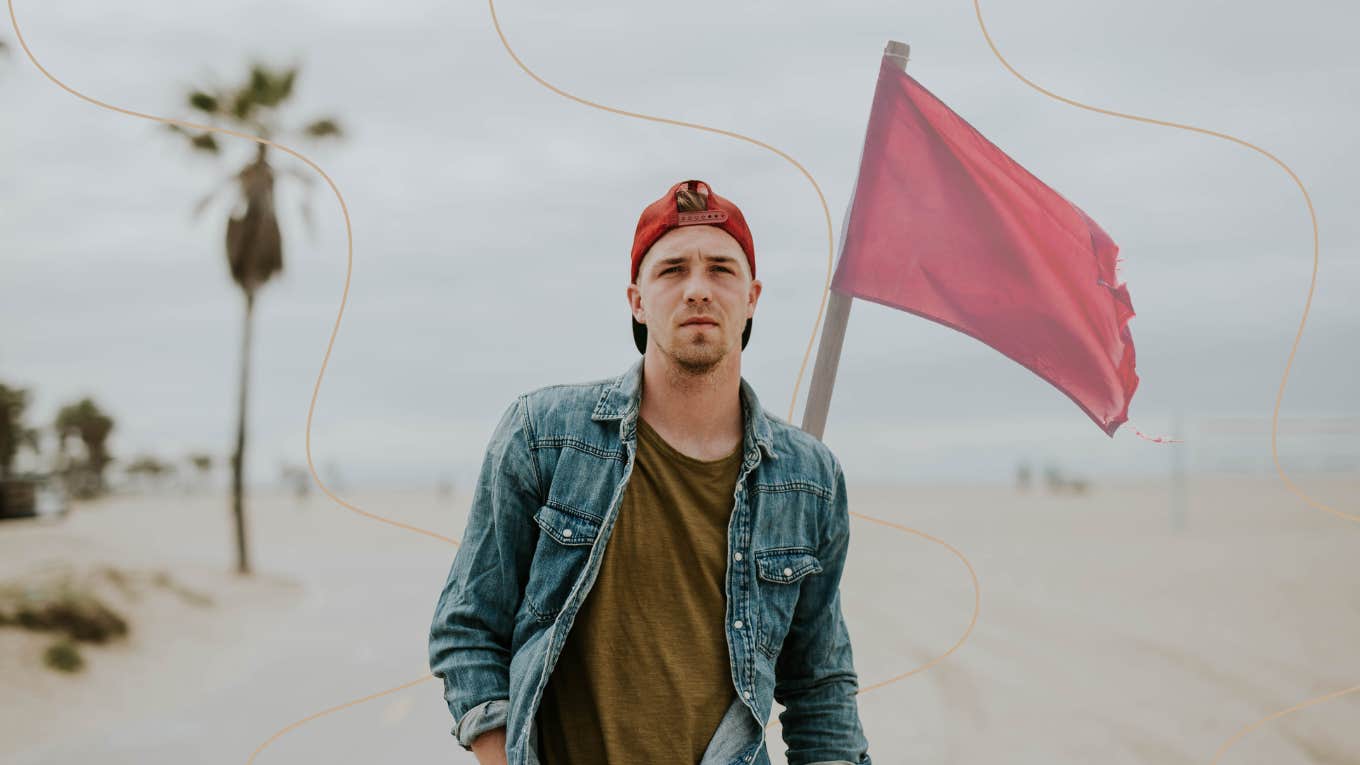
(694, 272)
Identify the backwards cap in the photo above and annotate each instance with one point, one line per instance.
(664, 214)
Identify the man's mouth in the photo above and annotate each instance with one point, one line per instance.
(700, 322)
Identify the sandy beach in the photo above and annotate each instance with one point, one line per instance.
(1105, 634)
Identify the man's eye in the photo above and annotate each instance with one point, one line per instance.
(718, 268)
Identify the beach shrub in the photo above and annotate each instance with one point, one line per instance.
(61, 607)
(64, 656)
(71, 605)
(81, 616)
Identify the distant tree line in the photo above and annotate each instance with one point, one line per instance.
(82, 458)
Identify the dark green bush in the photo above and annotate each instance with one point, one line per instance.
(64, 656)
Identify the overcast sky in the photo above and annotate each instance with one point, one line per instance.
(492, 218)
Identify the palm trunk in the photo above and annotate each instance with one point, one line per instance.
(238, 460)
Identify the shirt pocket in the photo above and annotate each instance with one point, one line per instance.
(780, 572)
(564, 543)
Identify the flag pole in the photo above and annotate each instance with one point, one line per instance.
(838, 310)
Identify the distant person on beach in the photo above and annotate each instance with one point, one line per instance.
(651, 560)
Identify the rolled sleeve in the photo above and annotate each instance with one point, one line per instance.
(488, 715)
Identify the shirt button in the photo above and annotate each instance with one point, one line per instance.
(737, 624)
(737, 556)
(747, 694)
(567, 533)
(787, 571)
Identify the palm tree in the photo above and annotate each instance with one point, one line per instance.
(149, 469)
(85, 421)
(203, 463)
(254, 244)
(14, 434)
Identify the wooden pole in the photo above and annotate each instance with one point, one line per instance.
(837, 310)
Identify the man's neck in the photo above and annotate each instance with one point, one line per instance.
(697, 413)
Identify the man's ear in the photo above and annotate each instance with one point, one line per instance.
(634, 295)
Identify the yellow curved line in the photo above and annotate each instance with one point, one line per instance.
(1281, 713)
(826, 214)
(344, 296)
(349, 263)
(802, 368)
(977, 606)
(336, 708)
(330, 344)
(1312, 284)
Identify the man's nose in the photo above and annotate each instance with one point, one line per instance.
(698, 288)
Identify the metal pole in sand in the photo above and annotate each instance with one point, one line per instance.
(838, 309)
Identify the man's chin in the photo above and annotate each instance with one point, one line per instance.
(698, 355)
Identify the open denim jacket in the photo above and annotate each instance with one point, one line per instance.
(546, 499)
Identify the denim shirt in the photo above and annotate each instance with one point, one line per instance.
(549, 490)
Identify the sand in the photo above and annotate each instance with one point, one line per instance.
(1105, 634)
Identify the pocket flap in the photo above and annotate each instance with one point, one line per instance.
(567, 527)
(786, 564)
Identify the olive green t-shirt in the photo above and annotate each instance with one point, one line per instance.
(644, 675)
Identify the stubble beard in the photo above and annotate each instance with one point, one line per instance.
(697, 357)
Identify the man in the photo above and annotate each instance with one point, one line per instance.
(651, 559)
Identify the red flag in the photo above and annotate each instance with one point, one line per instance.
(946, 226)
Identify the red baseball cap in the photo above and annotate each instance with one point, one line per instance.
(664, 214)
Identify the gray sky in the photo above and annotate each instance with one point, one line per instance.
(492, 219)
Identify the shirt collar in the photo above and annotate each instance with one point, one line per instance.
(623, 395)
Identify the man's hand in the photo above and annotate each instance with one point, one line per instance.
(489, 748)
